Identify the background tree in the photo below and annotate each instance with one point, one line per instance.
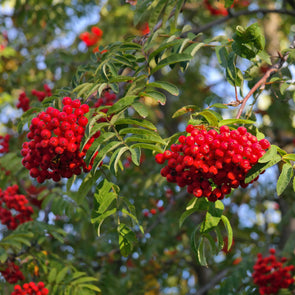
(84, 207)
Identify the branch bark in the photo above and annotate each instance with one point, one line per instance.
(237, 14)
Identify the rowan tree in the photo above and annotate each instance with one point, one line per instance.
(147, 147)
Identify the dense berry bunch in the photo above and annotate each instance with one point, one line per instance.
(93, 37)
(42, 94)
(211, 163)
(4, 144)
(30, 289)
(23, 102)
(55, 137)
(12, 202)
(270, 275)
(12, 273)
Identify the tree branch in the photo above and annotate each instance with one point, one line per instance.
(241, 13)
(272, 70)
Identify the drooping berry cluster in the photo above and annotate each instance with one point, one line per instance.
(23, 102)
(12, 273)
(14, 209)
(30, 289)
(55, 137)
(211, 163)
(42, 94)
(270, 275)
(91, 38)
(4, 144)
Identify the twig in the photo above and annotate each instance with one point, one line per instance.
(273, 69)
(241, 13)
(217, 278)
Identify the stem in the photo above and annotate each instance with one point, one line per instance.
(275, 68)
(241, 13)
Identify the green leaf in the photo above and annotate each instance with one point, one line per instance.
(156, 95)
(219, 106)
(104, 151)
(184, 110)
(162, 48)
(135, 155)
(222, 55)
(52, 275)
(186, 214)
(269, 155)
(284, 178)
(260, 167)
(101, 218)
(126, 239)
(61, 275)
(248, 42)
(91, 287)
(142, 123)
(192, 49)
(121, 104)
(234, 121)
(211, 116)
(148, 147)
(290, 157)
(105, 196)
(202, 252)
(172, 89)
(228, 230)
(141, 109)
(213, 216)
(141, 131)
(171, 59)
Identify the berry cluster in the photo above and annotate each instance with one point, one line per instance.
(107, 99)
(219, 9)
(14, 202)
(42, 94)
(23, 102)
(270, 275)
(92, 38)
(12, 273)
(30, 289)
(55, 137)
(211, 163)
(4, 142)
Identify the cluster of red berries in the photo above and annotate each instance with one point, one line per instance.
(211, 163)
(4, 144)
(30, 289)
(270, 275)
(42, 94)
(14, 202)
(55, 137)
(12, 273)
(23, 102)
(219, 9)
(91, 38)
